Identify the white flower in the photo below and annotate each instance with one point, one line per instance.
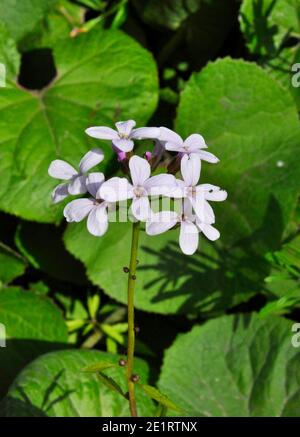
(76, 184)
(198, 195)
(193, 145)
(190, 227)
(118, 189)
(123, 137)
(95, 209)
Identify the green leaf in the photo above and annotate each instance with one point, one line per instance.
(239, 108)
(33, 326)
(62, 18)
(159, 397)
(284, 278)
(234, 366)
(52, 258)
(23, 17)
(266, 24)
(110, 383)
(12, 264)
(99, 366)
(93, 303)
(102, 76)
(54, 386)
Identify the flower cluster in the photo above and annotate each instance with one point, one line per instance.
(191, 209)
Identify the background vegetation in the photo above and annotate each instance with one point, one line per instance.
(215, 329)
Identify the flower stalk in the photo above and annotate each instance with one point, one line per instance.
(131, 330)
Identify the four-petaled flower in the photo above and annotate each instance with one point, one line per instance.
(198, 195)
(193, 145)
(94, 208)
(123, 137)
(76, 180)
(190, 227)
(118, 189)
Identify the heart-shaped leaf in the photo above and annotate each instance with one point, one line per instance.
(102, 76)
(53, 385)
(32, 325)
(234, 366)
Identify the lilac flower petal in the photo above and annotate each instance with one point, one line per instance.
(209, 231)
(60, 193)
(145, 132)
(167, 135)
(216, 195)
(161, 222)
(140, 208)
(94, 182)
(139, 170)
(78, 209)
(123, 144)
(90, 159)
(188, 237)
(207, 187)
(190, 169)
(195, 142)
(116, 189)
(207, 156)
(205, 213)
(102, 133)
(125, 127)
(173, 147)
(97, 222)
(77, 185)
(60, 169)
(160, 184)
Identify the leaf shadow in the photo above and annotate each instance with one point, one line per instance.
(260, 30)
(23, 406)
(210, 282)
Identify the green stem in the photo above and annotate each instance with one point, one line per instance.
(131, 332)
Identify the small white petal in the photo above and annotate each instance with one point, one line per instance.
(161, 222)
(167, 135)
(78, 209)
(94, 182)
(209, 231)
(188, 237)
(90, 159)
(207, 187)
(125, 145)
(116, 189)
(145, 132)
(59, 169)
(173, 147)
(190, 169)
(97, 222)
(216, 195)
(60, 193)
(195, 142)
(125, 127)
(102, 132)
(160, 184)
(207, 156)
(140, 208)
(140, 170)
(77, 185)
